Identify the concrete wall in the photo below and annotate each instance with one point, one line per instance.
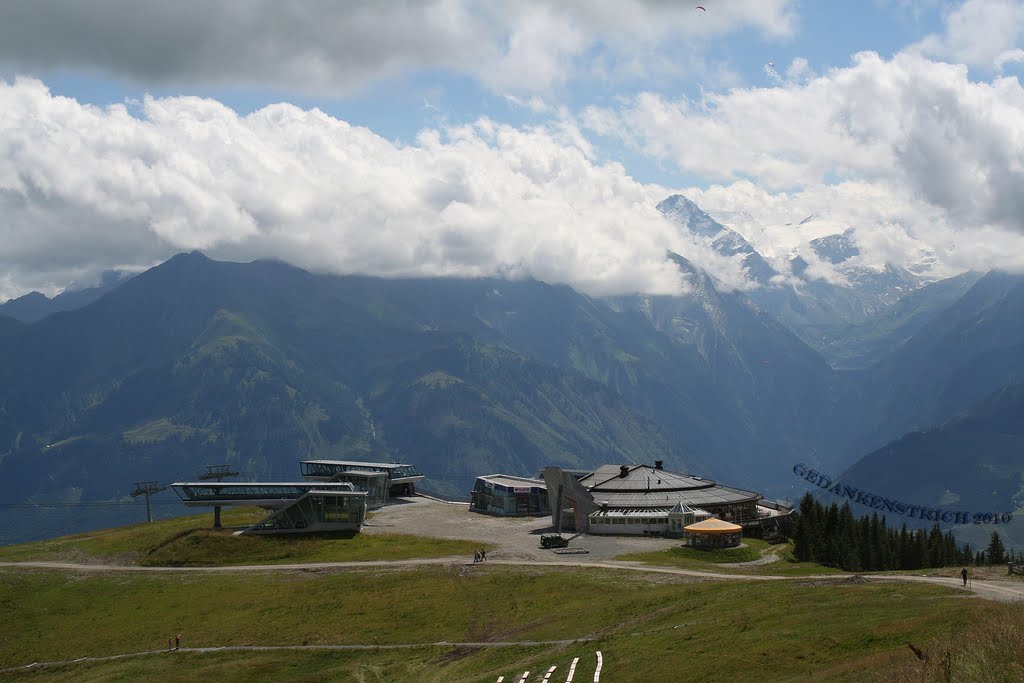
(574, 495)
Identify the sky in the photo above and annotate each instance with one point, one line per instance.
(519, 139)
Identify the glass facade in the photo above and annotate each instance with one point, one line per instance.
(317, 512)
(374, 484)
(399, 479)
(316, 468)
(623, 523)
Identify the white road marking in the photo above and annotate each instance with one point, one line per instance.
(572, 670)
(500, 679)
(597, 671)
(526, 674)
(548, 674)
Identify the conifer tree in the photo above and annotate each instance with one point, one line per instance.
(833, 537)
(996, 552)
(803, 548)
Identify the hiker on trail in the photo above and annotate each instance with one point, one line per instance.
(483, 555)
(476, 556)
(177, 641)
(963, 575)
(169, 644)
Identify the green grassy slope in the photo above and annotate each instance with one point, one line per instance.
(648, 628)
(190, 542)
(778, 559)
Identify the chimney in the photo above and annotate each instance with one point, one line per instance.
(623, 470)
(658, 464)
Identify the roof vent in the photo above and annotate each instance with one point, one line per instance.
(658, 464)
(623, 470)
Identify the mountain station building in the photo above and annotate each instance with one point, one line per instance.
(334, 496)
(506, 495)
(296, 507)
(651, 501)
(380, 480)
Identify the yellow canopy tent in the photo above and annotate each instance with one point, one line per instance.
(713, 526)
(713, 533)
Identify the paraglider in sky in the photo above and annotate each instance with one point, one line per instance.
(701, 8)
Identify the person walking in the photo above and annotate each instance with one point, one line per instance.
(177, 641)
(963, 575)
(170, 644)
(483, 555)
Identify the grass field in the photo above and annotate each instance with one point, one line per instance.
(648, 627)
(729, 560)
(188, 541)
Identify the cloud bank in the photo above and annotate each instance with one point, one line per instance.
(332, 48)
(83, 187)
(921, 157)
(904, 142)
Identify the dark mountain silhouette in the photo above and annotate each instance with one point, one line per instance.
(35, 306)
(959, 357)
(973, 462)
(198, 362)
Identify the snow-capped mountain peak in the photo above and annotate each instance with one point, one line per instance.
(836, 248)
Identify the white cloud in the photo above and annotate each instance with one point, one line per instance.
(910, 142)
(328, 47)
(534, 103)
(981, 33)
(85, 188)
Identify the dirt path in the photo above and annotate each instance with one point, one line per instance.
(989, 590)
(1000, 591)
(768, 558)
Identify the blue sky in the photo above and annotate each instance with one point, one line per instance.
(471, 137)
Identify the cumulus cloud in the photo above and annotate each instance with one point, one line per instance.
(932, 147)
(981, 33)
(86, 188)
(329, 47)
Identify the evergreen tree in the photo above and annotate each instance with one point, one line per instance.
(995, 552)
(803, 549)
(864, 541)
(833, 537)
(936, 548)
(849, 558)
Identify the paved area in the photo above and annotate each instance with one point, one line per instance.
(516, 538)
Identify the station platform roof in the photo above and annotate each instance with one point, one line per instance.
(399, 473)
(261, 494)
(512, 481)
